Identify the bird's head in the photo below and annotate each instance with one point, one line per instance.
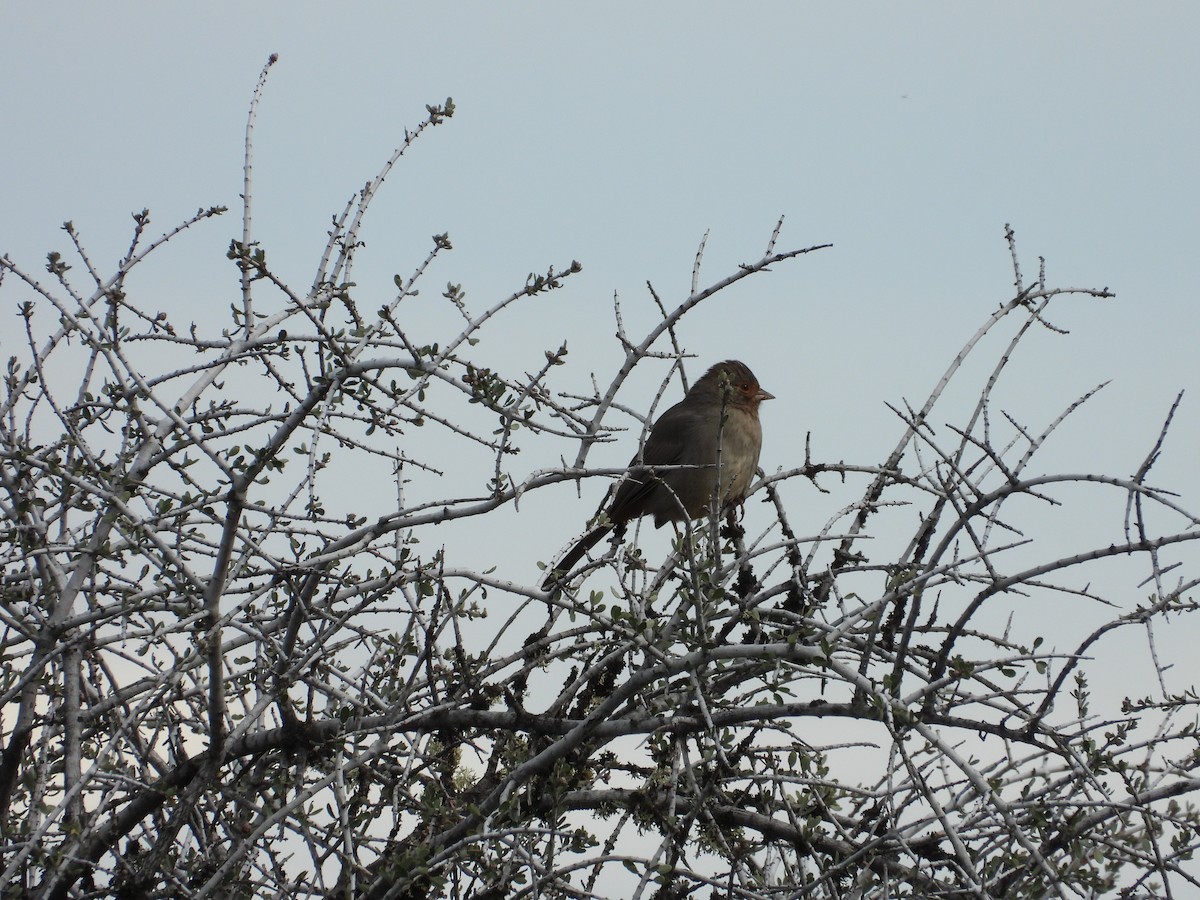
(732, 382)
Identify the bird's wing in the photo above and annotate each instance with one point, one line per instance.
(670, 438)
(674, 440)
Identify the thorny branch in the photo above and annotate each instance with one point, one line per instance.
(222, 674)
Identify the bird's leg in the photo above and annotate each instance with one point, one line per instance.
(733, 529)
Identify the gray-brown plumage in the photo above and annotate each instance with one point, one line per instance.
(718, 415)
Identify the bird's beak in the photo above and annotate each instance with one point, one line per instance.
(763, 395)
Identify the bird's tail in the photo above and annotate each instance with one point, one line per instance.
(561, 569)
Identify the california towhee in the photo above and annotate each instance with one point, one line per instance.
(718, 415)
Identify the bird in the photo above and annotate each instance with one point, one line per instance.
(716, 422)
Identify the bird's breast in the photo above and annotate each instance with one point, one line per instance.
(739, 446)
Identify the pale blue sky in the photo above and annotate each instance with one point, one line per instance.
(617, 134)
